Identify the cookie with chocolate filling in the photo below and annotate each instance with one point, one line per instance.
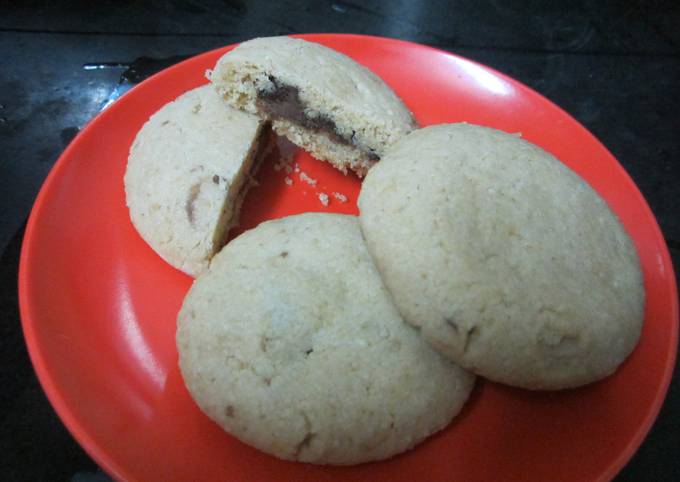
(320, 99)
(187, 173)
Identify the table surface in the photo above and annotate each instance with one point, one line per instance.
(614, 66)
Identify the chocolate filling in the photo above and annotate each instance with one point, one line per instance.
(283, 103)
(194, 191)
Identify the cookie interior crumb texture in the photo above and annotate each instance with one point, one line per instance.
(291, 343)
(320, 99)
(510, 264)
(188, 171)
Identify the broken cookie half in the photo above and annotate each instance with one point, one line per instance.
(188, 171)
(320, 99)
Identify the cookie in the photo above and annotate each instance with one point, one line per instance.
(289, 341)
(507, 261)
(320, 99)
(187, 173)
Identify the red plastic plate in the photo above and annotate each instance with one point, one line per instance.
(98, 305)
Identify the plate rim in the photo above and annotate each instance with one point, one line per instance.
(98, 453)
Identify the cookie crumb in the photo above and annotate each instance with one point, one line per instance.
(307, 179)
(340, 197)
(288, 181)
(284, 163)
(323, 197)
(287, 158)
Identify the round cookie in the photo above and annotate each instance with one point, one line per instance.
(320, 99)
(507, 261)
(187, 173)
(290, 342)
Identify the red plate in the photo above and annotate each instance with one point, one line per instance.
(98, 306)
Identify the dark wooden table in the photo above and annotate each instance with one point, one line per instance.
(615, 66)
